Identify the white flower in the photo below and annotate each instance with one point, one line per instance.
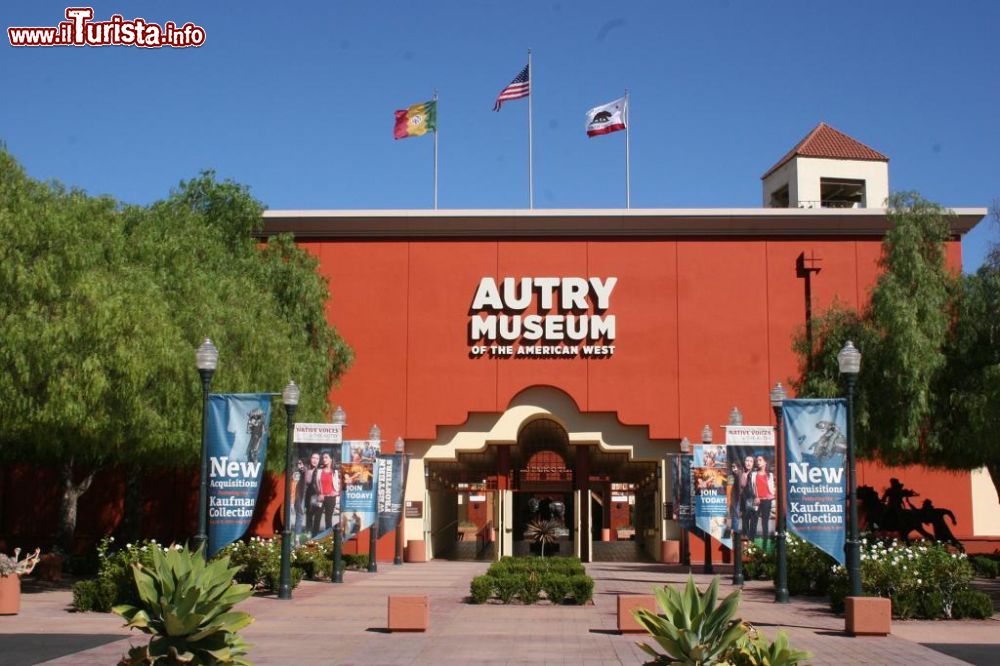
(128, 545)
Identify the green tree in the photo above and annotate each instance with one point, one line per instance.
(104, 304)
(969, 387)
(927, 346)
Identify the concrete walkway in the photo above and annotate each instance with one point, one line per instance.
(344, 624)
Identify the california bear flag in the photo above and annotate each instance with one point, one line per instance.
(607, 118)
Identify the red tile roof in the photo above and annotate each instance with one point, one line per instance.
(824, 141)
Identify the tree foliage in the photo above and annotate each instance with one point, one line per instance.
(930, 378)
(103, 305)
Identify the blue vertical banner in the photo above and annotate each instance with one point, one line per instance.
(683, 497)
(238, 425)
(358, 499)
(711, 501)
(391, 486)
(816, 486)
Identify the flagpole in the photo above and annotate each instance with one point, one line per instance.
(436, 122)
(628, 173)
(531, 178)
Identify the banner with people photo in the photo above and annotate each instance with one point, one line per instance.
(815, 453)
(236, 440)
(752, 505)
(709, 480)
(391, 488)
(358, 500)
(680, 476)
(316, 480)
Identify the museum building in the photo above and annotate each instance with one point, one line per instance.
(548, 363)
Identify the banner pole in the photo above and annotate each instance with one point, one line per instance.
(435, 150)
(531, 177)
(628, 175)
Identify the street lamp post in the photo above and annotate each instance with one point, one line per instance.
(685, 545)
(206, 359)
(781, 579)
(401, 450)
(375, 433)
(706, 438)
(736, 418)
(290, 398)
(339, 418)
(849, 360)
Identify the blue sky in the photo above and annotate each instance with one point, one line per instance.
(298, 104)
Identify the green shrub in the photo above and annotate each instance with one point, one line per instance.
(556, 586)
(481, 589)
(920, 578)
(185, 604)
(985, 566)
(581, 588)
(506, 586)
(94, 595)
(809, 568)
(972, 604)
(359, 561)
(530, 588)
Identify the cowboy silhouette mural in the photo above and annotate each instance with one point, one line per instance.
(894, 512)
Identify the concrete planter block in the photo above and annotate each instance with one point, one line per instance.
(670, 551)
(10, 595)
(408, 613)
(626, 604)
(605, 534)
(416, 551)
(868, 616)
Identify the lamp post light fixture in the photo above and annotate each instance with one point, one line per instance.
(736, 419)
(207, 360)
(339, 418)
(777, 397)
(706, 434)
(374, 433)
(290, 398)
(401, 450)
(849, 360)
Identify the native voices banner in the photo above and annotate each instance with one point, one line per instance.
(391, 486)
(237, 447)
(752, 506)
(359, 463)
(709, 481)
(815, 450)
(316, 480)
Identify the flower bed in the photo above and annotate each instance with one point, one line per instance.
(924, 580)
(259, 561)
(528, 578)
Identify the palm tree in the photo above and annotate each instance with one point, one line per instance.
(542, 532)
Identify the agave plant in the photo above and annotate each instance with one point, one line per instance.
(757, 650)
(186, 606)
(694, 631)
(542, 532)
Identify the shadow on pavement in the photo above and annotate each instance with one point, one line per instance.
(20, 649)
(979, 654)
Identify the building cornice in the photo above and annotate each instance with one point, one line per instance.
(590, 223)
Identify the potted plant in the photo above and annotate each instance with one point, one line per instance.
(626, 532)
(11, 570)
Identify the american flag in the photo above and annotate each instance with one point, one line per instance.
(518, 88)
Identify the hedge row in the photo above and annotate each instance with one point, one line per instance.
(529, 587)
(568, 566)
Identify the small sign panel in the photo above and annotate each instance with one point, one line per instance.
(413, 509)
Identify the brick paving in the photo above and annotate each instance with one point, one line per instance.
(344, 624)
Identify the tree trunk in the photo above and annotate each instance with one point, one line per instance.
(130, 529)
(71, 493)
(994, 469)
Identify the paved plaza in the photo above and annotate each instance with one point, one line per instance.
(345, 624)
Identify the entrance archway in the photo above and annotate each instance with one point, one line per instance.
(541, 446)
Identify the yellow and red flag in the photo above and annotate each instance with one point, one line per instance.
(417, 120)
